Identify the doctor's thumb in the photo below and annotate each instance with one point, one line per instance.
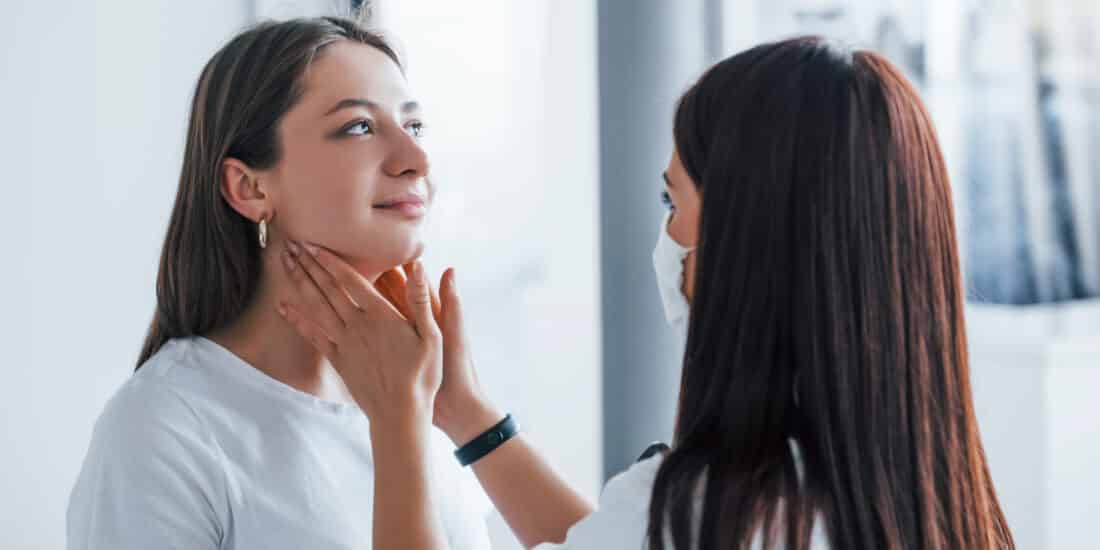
(451, 322)
(420, 301)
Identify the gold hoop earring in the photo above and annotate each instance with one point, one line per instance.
(263, 232)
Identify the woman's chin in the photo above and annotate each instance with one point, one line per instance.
(415, 251)
(377, 260)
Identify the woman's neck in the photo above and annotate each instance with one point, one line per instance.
(263, 339)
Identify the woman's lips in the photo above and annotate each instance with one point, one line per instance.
(408, 205)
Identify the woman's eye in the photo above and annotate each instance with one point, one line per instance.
(360, 128)
(666, 199)
(415, 129)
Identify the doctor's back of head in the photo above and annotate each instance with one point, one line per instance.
(825, 378)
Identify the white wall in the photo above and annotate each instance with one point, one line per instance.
(1035, 372)
(93, 103)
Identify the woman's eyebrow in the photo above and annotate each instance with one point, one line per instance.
(406, 107)
(668, 182)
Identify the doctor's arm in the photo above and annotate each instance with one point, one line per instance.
(536, 502)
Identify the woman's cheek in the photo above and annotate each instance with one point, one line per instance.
(689, 276)
(682, 227)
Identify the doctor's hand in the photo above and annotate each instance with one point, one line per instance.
(391, 362)
(462, 409)
(393, 365)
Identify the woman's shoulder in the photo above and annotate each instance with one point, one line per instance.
(144, 410)
(190, 379)
(152, 422)
(152, 466)
(177, 363)
(623, 512)
(153, 408)
(635, 480)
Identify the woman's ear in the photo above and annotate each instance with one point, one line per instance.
(241, 188)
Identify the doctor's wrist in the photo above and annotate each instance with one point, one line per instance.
(466, 423)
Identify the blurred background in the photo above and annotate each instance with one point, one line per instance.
(550, 125)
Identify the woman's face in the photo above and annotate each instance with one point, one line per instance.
(684, 201)
(352, 174)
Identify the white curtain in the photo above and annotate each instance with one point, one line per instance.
(1015, 88)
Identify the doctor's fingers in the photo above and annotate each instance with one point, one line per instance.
(334, 288)
(354, 298)
(450, 316)
(309, 300)
(419, 295)
(391, 285)
(308, 330)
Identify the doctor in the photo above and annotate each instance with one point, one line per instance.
(825, 399)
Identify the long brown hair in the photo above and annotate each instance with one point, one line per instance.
(210, 263)
(828, 310)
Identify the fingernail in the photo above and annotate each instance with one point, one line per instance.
(311, 248)
(292, 247)
(282, 310)
(418, 272)
(288, 261)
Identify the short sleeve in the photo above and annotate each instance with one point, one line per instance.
(622, 516)
(152, 478)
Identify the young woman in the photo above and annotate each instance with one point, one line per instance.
(825, 399)
(234, 432)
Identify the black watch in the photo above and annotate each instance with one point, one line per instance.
(487, 442)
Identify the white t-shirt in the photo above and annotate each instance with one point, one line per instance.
(200, 451)
(622, 517)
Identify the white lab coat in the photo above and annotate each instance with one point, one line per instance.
(622, 516)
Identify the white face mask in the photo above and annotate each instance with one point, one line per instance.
(668, 263)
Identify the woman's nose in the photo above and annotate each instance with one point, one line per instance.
(407, 158)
